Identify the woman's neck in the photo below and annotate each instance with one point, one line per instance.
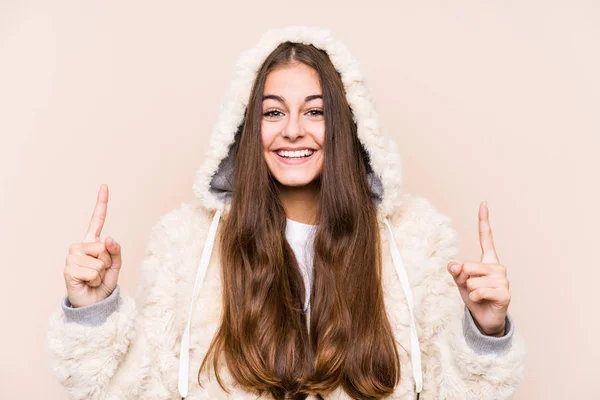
(300, 202)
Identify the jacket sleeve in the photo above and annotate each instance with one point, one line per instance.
(84, 352)
(465, 363)
(101, 351)
(483, 344)
(94, 314)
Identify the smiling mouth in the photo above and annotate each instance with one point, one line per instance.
(294, 158)
(295, 154)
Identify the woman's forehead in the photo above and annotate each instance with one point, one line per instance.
(293, 83)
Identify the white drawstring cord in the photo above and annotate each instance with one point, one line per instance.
(414, 339)
(184, 355)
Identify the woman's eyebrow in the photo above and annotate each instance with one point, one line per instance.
(282, 100)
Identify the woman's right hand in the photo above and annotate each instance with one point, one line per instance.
(92, 266)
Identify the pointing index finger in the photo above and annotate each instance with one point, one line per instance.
(488, 250)
(98, 216)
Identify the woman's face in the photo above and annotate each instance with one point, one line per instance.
(293, 126)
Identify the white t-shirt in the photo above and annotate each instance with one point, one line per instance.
(301, 239)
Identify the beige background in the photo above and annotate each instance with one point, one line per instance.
(488, 100)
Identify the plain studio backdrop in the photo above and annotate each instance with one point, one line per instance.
(487, 100)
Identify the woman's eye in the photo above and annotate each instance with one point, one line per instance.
(277, 113)
(272, 113)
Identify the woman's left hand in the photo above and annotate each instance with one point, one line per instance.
(483, 285)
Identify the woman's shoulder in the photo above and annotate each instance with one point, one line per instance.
(179, 225)
(176, 237)
(420, 225)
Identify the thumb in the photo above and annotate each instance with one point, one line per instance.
(115, 251)
(456, 270)
(112, 273)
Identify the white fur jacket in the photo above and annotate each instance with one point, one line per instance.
(150, 346)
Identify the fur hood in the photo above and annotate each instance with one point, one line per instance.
(213, 183)
(152, 347)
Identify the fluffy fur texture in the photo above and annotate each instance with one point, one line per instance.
(135, 353)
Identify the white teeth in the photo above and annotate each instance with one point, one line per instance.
(295, 154)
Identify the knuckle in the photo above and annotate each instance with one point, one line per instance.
(100, 249)
(95, 274)
(85, 248)
(497, 271)
(72, 259)
(70, 273)
(93, 264)
(471, 283)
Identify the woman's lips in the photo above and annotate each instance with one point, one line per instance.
(296, 160)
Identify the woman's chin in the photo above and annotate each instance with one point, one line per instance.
(295, 182)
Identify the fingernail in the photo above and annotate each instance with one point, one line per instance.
(454, 266)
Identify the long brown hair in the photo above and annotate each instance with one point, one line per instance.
(263, 335)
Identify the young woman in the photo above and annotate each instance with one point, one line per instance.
(303, 270)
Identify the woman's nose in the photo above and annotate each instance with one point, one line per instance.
(292, 128)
